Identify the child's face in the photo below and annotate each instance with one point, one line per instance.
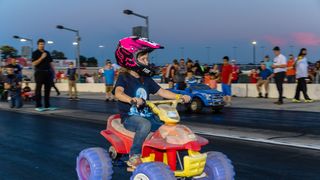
(10, 70)
(189, 74)
(70, 65)
(108, 65)
(144, 59)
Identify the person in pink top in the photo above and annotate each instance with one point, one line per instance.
(213, 81)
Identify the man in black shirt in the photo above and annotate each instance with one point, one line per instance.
(42, 62)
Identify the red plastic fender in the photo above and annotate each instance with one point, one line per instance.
(115, 141)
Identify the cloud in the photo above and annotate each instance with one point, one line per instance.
(277, 41)
(306, 38)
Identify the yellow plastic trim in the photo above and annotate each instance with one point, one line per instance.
(150, 158)
(193, 164)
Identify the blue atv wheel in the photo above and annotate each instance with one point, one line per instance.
(94, 164)
(153, 171)
(218, 167)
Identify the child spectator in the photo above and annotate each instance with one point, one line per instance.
(213, 81)
(190, 78)
(72, 78)
(291, 71)
(13, 85)
(27, 94)
(253, 76)
(109, 80)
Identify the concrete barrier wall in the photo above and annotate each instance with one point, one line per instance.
(240, 90)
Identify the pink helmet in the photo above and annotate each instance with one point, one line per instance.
(128, 49)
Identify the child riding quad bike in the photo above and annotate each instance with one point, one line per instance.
(162, 152)
(172, 151)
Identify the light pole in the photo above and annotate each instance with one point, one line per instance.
(77, 44)
(208, 53)
(235, 52)
(129, 12)
(23, 39)
(254, 43)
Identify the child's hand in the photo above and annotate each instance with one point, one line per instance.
(138, 101)
(186, 98)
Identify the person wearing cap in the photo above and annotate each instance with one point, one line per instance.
(279, 69)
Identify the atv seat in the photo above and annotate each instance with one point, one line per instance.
(118, 126)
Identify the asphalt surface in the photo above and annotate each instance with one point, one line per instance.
(291, 121)
(42, 147)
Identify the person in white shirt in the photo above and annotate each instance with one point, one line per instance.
(301, 65)
(279, 69)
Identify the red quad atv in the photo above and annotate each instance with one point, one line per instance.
(172, 152)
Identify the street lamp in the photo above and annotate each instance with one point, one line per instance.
(77, 43)
(23, 39)
(254, 43)
(129, 12)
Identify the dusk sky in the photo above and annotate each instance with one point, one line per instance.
(191, 24)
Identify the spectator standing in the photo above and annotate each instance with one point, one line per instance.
(189, 65)
(268, 63)
(180, 75)
(235, 71)
(226, 79)
(213, 81)
(17, 68)
(301, 75)
(264, 80)
(279, 69)
(215, 70)
(13, 84)
(317, 71)
(42, 62)
(109, 80)
(190, 78)
(291, 71)
(72, 78)
(253, 76)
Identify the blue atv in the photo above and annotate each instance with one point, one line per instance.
(201, 96)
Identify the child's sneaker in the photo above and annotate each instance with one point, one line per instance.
(308, 100)
(76, 98)
(134, 161)
(296, 100)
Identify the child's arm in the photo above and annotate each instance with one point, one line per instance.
(121, 96)
(170, 95)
